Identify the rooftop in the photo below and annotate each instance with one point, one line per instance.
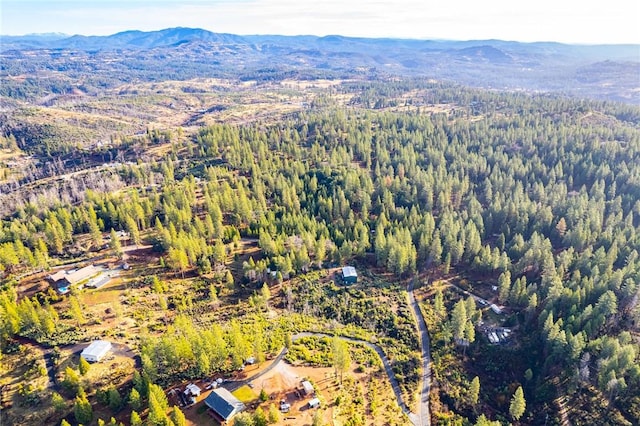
(349, 271)
(57, 276)
(307, 386)
(81, 274)
(97, 348)
(223, 403)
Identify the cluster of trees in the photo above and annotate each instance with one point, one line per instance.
(540, 194)
(31, 318)
(143, 395)
(189, 351)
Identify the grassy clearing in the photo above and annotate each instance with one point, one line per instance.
(245, 394)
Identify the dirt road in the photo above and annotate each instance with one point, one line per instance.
(424, 417)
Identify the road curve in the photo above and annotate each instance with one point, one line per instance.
(387, 367)
(423, 408)
(233, 385)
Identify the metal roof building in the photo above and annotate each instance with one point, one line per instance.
(307, 387)
(96, 350)
(81, 274)
(349, 274)
(223, 405)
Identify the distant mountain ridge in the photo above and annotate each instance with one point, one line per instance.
(178, 35)
(600, 71)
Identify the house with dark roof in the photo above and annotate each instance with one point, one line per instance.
(223, 405)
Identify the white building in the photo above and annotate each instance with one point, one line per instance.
(495, 308)
(96, 350)
(308, 387)
(313, 403)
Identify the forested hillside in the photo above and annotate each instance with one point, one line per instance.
(453, 189)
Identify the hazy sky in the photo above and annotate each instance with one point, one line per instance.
(570, 21)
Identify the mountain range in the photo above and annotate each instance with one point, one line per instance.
(595, 71)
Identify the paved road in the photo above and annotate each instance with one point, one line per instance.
(424, 418)
(387, 367)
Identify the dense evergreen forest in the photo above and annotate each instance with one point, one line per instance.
(536, 195)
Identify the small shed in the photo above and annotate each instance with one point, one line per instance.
(349, 275)
(314, 403)
(307, 387)
(96, 350)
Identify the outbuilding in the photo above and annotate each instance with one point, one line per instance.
(349, 275)
(96, 350)
(307, 387)
(314, 403)
(223, 405)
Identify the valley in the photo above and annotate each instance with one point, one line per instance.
(201, 214)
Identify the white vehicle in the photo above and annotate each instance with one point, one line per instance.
(284, 406)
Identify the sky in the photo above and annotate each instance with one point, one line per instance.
(566, 21)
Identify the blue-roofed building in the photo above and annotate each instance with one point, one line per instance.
(223, 405)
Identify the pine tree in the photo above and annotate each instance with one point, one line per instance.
(71, 380)
(504, 286)
(115, 400)
(114, 244)
(435, 249)
(243, 419)
(259, 417)
(76, 310)
(474, 391)
(82, 408)
(58, 402)
(459, 319)
(135, 402)
(83, 366)
(341, 355)
(518, 404)
(439, 307)
(273, 415)
(178, 418)
(135, 419)
(265, 294)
